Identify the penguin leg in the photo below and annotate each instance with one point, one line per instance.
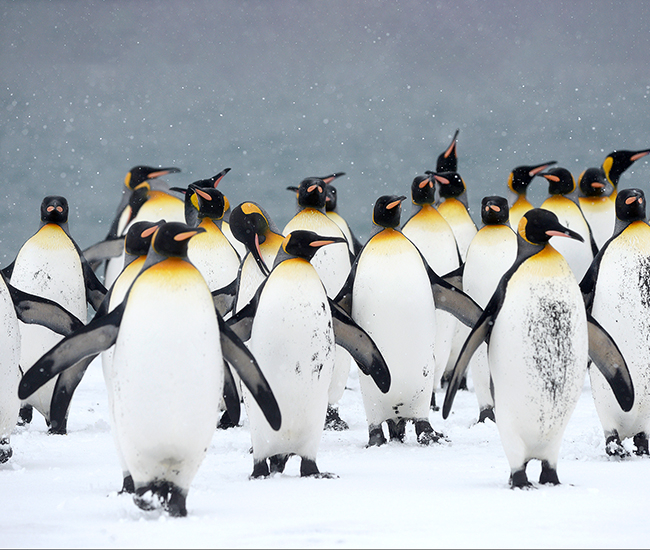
(376, 436)
(614, 446)
(433, 405)
(396, 430)
(426, 434)
(308, 468)
(260, 469)
(5, 450)
(333, 421)
(161, 494)
(548, 474)
(226, 422)
(486, 414)
(519, 479)
(25, 415)
(278, 462)
(641, 444)
(127, 484)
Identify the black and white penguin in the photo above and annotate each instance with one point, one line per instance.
(293, 328)
(166, 389)
(491, 253)
(50, 264)
(618, 162)
(539, 338)
(617, 292)
(392, 294)
(562, 200)
(518, 182)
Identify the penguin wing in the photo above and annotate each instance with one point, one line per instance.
(242, 360)
(604, 353)
(32, 309)
(344, 297)
(103, 250)
(64, 388)
(455, 277)
(360, 346)
(241, 323)
(588, 282)
(93, 338)
(230, 394)
(453, 300)
(224, 297)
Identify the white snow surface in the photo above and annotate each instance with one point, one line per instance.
(62, 491)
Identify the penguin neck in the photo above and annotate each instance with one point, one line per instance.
(526, 249)
(63, 226)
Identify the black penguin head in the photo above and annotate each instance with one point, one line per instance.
(171, 239)
(211, 182)
(388, 211)
(54, 209)
(140, 174)
(521, 176)
(138, 237)
(302, 243)
(210, 202)
(618, 161)
(250, 225)
(560, 181)
(494, 210)
(311, 193)
(538, 225)
(330, 198)
(448, 159)
(423, 191)
(630, 205)
(592, 182)
(450, 184)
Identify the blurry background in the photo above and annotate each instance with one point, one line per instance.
(279, 90)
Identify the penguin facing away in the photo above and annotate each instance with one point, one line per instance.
(50, 264)
(293, 327)
(616, 291)
(393, 294)
(518, 182)
(539, 339)
(166, 389)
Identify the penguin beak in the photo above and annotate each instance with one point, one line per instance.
(566, 232)
(325, 242)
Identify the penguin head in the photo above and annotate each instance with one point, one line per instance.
(329, 179)
(139, 174)
(330, 198)
(302, 243)
(250, 225)
(494, 210)
(311, 193)
(210, 202)
(211, 182)
(630, 205)
(618, 161)
(171, 239)
(388, 210)
(423, 191)
(521, 176)
(560, 181)
(538, 225)
(448, 160)
(592, 183)
(54, 209)
(138, 237)
(450, 184)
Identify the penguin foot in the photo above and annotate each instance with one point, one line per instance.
(58, 428)
(25, 415)
(163, 495)
(614, 447)
(548, 474)
(641, 444)
(519, 480)
(426, 434)
(226, 422)
(278, 462)
(308, 468)
(433, 405)
(333, 421)
(260, 469)
(376, 436)
(127, 485)
(396, 430)
(486, 414)
(5, 450)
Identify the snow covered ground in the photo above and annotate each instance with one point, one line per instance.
(61, 491)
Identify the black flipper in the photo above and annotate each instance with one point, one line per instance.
(224, 297)
(604, 353)
(242, 360)
(230, 394)
(241, 323)
(32, 309)
(97, 336)
(455, 277)
(95, 290)
(453, 300)
(64, 388)
(103, 250)
(360, 346)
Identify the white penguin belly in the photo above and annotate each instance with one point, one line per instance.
(293, 341)
(392, 301)
(168, 379)
(9, 370)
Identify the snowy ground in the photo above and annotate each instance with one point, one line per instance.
(61, 491)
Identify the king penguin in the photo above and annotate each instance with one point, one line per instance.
(50, 264)
(598, 209)
(293, 328)
(166, 389)
(392, 294)
(491, 253)
(618, 162)
(563, 202)
(617, 292)
(518, 182)
(539, 338)
(447, 161)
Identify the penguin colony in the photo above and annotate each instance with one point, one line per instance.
(531, 302)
